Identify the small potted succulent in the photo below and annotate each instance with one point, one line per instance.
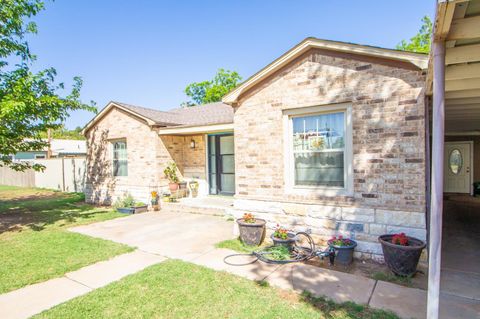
(154, 201)
(128, 205)
(401, 253)
(252, 230)
(171, 174)
(343, 249)
(282, 237)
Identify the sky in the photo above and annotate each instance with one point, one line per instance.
(146, 52)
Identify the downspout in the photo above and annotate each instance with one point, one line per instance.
(438, 135)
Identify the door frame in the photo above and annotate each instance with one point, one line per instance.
(207, 166)
(471, 144)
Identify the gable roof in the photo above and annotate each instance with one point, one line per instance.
(417, 59)
(200, 115)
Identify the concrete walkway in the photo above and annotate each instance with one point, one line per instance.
(33, 299)
(189, 237)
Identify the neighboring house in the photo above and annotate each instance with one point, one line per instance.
(330, 136)
(59, 148)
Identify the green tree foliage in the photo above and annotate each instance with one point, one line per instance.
(421, 41)
(62, 133)
(30, 102)
(212, 91)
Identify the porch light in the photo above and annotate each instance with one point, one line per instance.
(192, 144)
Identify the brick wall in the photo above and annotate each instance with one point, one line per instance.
(387, 100)
(147, 153)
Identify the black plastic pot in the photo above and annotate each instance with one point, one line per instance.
(289, 242)
(402, 260)
(344, 254)
(251, 234)
(132, 210)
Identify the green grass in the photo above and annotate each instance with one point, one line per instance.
(390, 277)
(176, 289)
(237, 245)
(34, 242)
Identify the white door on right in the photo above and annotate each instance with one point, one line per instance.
(457, 169)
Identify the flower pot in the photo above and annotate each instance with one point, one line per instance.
(155, 207)
(252, 233)
(173, 187)
(344, 254)
(289, 242)
(132, 210)
(402, 260)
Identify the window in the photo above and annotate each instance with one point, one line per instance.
(120, 163)
(319, 149)
(40, 156)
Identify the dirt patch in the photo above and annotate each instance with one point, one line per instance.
(374, 270)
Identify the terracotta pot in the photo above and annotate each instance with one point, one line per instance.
(252, 234)
(173, 187)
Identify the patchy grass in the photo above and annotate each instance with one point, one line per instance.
(237, 245)
(390, 277)
(176, 289)
(34, 242)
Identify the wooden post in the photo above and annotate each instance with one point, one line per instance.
(436, 206)
(49, 140)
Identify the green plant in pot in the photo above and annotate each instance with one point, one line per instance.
(193, 185)
(343, 249)
(283, 237)
(171, 174)
(128, 205)
(252, 230)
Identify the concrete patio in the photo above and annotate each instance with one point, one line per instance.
(191, 237)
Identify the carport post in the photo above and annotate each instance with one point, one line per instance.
(436, 206)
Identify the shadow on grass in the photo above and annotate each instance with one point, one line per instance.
(333, 310)
(37, 214)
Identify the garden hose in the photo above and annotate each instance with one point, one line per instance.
(298, 253)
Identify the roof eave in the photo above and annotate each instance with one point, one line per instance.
(419, 60)
(107, 108)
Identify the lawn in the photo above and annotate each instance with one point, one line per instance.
(176, 289)
(34, 242)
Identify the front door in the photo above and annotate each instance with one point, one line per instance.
(221, 164)
(457, 167)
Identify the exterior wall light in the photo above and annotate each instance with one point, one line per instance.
(192, 144)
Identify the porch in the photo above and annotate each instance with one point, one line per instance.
(205, 154)
(454, 84)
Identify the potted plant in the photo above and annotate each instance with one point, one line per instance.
(252, 230)
(128, 205)
(401, 253)
(171, 174)
(154, 201)
(282, 237)
(193, 185)
(343, 249)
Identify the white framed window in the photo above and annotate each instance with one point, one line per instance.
(119, 160)
(318, 150)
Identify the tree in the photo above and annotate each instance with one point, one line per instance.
(212, 91)
(62, 132)
(30, 102)
(421, 41)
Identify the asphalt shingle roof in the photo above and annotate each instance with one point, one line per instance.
(206, 114)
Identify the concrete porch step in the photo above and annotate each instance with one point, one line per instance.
(184, 208)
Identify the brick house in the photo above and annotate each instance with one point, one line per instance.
(330, 137)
